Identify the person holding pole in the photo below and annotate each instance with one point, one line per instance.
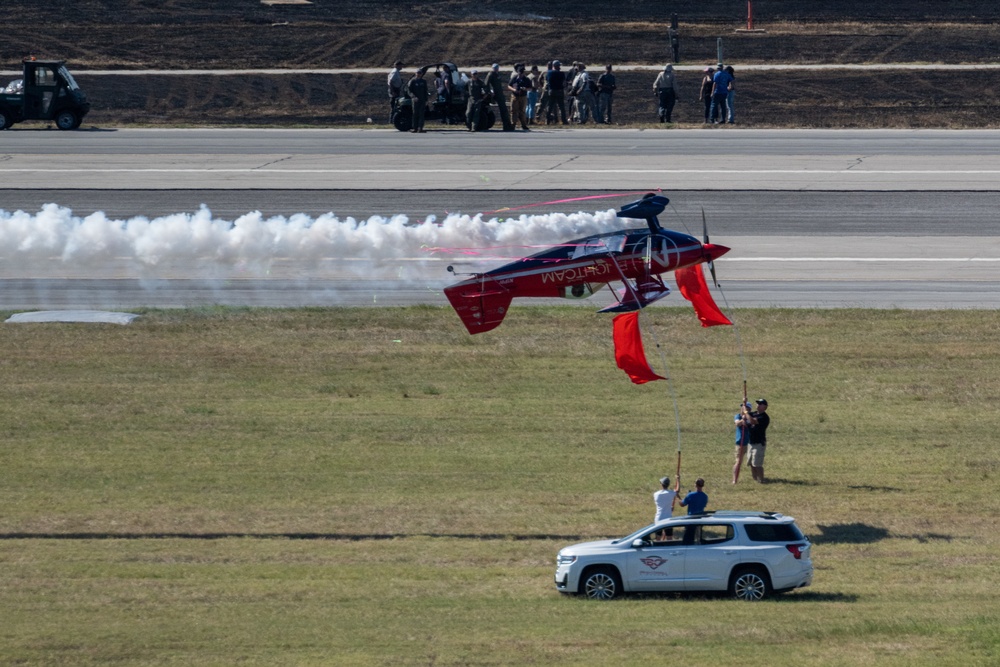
(744, 421)
(696, 501)
(758, 439)
(665, 499)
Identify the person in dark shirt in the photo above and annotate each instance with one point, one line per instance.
(696, 501)
(416, 88)
(496, 89)
(758, 439)
(606, 86)
(557, 91)
(474, 107)
(721, 81)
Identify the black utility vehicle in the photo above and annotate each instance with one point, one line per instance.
(46, 92)
(448, 110)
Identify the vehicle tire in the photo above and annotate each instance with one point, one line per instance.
(491, 119)
(4, 120)
(601, 583)
(750, 584)
(67, 120)
(402, 120)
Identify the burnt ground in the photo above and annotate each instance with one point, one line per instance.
(238, 34)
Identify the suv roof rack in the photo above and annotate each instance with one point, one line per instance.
(773, 516)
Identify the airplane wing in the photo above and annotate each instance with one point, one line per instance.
(638, 296)
(479, 309)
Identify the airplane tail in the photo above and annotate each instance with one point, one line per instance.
(480, 307)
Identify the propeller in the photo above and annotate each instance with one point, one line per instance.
(704, 232)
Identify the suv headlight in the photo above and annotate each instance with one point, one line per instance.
(564, 559)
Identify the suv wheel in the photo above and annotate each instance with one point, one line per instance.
(66, 120)
(749, 584)
(4, 120)
(601, 583)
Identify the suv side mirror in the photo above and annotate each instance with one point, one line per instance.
(638, 543)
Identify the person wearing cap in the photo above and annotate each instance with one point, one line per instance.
(556, 79)
(696, 501)
(519, 87)
(496, 89)
(744, 421)
(665, 499)
(758, 439)
(395, 81)
(665, 90)
(417, 91)
(474, 107)
(705, 95)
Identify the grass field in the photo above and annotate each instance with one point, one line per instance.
(374, 486)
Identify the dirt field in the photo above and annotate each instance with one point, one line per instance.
(188, 34)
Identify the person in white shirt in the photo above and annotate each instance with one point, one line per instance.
(665, 499)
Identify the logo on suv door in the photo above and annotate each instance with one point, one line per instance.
(653, 562)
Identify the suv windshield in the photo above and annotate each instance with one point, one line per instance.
(635, 535)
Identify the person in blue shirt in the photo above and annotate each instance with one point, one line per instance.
(696, 501)
(744, 421)
(720, 95)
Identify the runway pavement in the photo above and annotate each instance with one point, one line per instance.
(815, 218)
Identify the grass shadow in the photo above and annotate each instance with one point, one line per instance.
(868, 487)
(786, 596)
(791, 482)
(815, 596)
(927, 537)
(850, 533)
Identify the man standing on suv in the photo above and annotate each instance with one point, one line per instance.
(758, 439)
(696, 501)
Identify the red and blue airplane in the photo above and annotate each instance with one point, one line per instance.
(577, 269)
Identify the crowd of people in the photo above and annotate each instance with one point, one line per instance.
(556, 96)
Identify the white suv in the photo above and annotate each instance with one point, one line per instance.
(750, 554)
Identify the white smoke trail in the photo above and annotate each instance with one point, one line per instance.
(54, 242)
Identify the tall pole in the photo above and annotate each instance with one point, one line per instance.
(721, 61)
(749, 14)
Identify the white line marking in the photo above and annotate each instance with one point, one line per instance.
(476, 171)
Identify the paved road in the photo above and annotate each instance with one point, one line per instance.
(814, 218)
(712, 159)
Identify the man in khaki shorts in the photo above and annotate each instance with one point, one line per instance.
(758, 439)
